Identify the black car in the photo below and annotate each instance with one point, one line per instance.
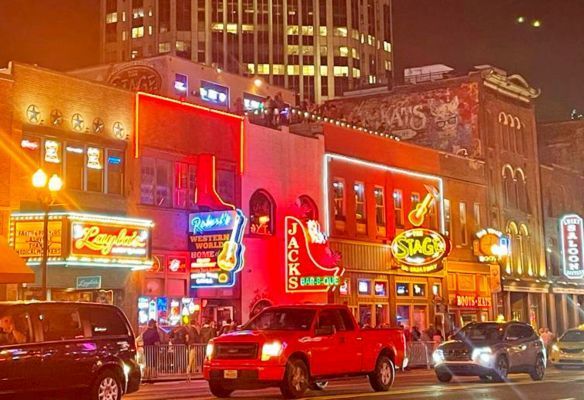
(58, 347)
(491, 350)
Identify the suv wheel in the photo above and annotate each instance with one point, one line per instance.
(382, 378)
(538, 370)
(218, 390)
(501, 369)
(444, 376)
(107, 386)
(296, 380)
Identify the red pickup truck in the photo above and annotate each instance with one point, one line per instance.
(299, 347)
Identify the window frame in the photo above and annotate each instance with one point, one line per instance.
(380, 208)
(463, 221)
(398, 211)
(271, 230)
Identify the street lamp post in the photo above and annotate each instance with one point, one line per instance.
(46, 191)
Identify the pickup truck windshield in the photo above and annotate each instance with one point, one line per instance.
(479, 332)
(282, 319)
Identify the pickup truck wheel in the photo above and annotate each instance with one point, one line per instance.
(444, 376)
(296, 380)
(382, 378)
(318, 385)
(218, 390)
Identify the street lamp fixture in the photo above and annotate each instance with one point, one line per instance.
(46, 191)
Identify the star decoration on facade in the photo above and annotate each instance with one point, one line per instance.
(56, 117)
(33, 114)
(119, 130)
(98, 125)
(77, 122)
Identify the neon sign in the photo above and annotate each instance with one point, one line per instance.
(211, 221)
(215, 246)
(420, 250)
(572, 235)
(491, 245)
(100, 240)
(303, 272)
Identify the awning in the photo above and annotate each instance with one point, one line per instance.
(13, 268)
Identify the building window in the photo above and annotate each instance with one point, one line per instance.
(415, 198)
(214, 93)
(402, 289)
(137, 32)
(111, 18)
(339, 199)
(94, 169)
(419, 289)
(308, 207)
(398, 206)
(148, 177)
(463, 224)
(261, 213)
(164, 47)
(380, 288)
(115, 171)
(360, 208)
(74, 166)
(380, 210)
(184, 185)
(477, 216)
(436, 289)
(447, 218)
(364, 287)
(155, 185)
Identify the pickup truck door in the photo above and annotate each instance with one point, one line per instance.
(324, 346)
(350, 343)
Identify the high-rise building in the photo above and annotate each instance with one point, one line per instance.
(318, 47)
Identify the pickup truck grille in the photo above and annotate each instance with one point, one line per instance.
(456, 355)
(236, 351)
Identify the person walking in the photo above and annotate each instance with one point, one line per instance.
(208, 332)
(151, 339)
(193, 340)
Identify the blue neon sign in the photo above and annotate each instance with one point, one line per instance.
(215, 221)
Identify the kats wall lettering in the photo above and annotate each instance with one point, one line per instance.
(311, 266)
(572, 242)
(99, 240)
(215, 246)
(137, 78)
(444, 119)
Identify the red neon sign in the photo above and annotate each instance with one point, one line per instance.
(310, 266)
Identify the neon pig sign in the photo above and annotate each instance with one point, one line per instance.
(306, 252)
(572, 235)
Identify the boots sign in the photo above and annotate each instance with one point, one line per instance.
(571, 231)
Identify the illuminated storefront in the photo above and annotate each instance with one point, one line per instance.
(90, 257)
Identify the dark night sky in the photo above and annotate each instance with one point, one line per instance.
(63, 34)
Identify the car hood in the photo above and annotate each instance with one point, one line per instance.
(465, 345)
(570, 345)
(257, 336)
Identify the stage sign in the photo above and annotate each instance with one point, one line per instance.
(572, 235)
(310, 265)
(420, 250)
(215, 244)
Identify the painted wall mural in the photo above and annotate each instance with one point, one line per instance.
(444, 118)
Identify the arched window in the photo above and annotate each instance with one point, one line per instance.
(521, 190)
(261, 213)
(514, 259)
(526, 250)
(509, 186)
(308, 207)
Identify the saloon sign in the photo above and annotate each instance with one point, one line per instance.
(310, 264)
(572, 235)
(420, 250)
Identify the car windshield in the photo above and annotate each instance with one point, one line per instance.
(477, 332)
(287, 319)
(573, 336)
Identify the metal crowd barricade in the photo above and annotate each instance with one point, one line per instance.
(420, 353)
(168, 361)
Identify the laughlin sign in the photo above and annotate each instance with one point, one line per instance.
(420, 250)
(310, 264)
(572, 235)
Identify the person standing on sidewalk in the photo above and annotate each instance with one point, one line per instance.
(194, 341)
(151, 339)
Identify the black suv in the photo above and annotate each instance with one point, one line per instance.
(491, 350)
(56, 347)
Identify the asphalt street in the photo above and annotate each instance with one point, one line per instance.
(410, 385)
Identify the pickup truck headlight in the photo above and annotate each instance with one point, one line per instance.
(271, 349)
(209, 350)
(482, 355)
(438, 356)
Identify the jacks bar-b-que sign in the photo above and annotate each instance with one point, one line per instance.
(215, 246)
(310, 264)
(572, 234)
